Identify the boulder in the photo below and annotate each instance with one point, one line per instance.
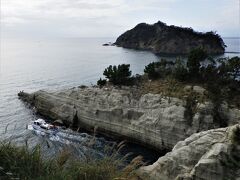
(208, 155)
(58, 122)
(199, 90)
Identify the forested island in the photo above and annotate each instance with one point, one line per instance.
(163, 39)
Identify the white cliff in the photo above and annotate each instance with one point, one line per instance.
(150, 119)
(208, 155)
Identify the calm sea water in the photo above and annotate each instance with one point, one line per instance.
(33, 64)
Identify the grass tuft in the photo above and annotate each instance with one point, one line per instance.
(23, 163)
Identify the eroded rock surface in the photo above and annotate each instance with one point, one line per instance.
(208, 155)
(150, 119)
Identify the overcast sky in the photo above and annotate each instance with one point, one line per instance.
(110, 18)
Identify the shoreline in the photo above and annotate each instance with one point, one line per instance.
(152, 120)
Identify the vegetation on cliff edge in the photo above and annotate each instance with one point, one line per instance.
(219, 77)
(23, 163)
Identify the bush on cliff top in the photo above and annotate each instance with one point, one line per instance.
(180, 72)
(194, 61)
(118, 75)
(200, 69)
(101, 82)
(160, 69)
(220, 77)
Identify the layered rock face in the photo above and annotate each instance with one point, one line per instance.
(150, 119)
(208, 155)
(161, 38)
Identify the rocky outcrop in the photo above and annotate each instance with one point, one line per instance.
(161, 38)
(208, 155)
(150, 119)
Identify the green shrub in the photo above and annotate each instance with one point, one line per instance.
(207, 73)
(101, 82)
(193, 63)
(118, 75)
(180, 71)
(233, 66)
(160, 69)
(151, 71)
(216, 95)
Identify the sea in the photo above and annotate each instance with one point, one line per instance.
(31, 64)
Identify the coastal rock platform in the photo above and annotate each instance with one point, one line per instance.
(149, 119)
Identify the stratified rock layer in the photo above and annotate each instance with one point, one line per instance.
(161, 38)
(208, 155)
(150, 119)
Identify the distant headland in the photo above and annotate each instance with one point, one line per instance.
(163, 39)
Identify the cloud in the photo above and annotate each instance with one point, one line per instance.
(30, 10)
(112, 17)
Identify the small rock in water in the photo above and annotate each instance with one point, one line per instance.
(108, 44)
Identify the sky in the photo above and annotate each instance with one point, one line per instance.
(110, 18)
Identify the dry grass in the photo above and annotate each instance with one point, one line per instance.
(22, 163)
(170, 87)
